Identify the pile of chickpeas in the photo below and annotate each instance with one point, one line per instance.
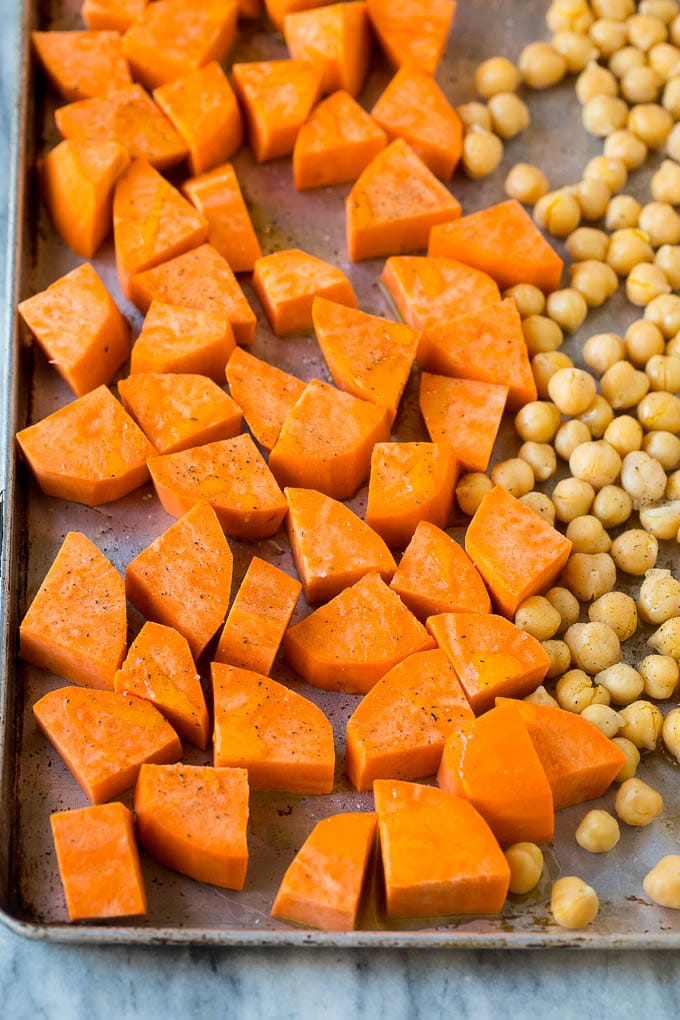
(611, 428)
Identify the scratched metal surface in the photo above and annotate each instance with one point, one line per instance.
(34, 780)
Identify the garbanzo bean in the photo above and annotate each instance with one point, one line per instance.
(660, 410)
(514, 474)
(618, 611)
(544, 365)
(642, 477)
(537, 617)
(641, 85)
(595, 280)
(597, 416)
(540, 504)
(628, 148)
(644, 282)
(670, 100)
(623, 683)
(541, 334)
(528, 298)
(670, 733)
(595, 81)
(594, 646)
(660, 222)
(664, 10)
(598, 832)
(642, 725)
(586, 534)
(624, 434)
(509, 115)
(664, 447)
(538, 420)
(568, 308)
(592, 196)
(566, 605)
(624, 386)
(541, 66)
(659, 596)
(571, 390)
(573, 903)
(558, 212)
(569, 436)
(635, 551)
(666, 639)
(603, 114)
(626, 59)
(577, 49)
(482, 152)
(608, 35)
(559, 655)
(613, 506)
(609, 171)
(664, 312)
(471, 490)
(623, 212)
(474, 113)
(497, 74)
(664, 373)
(607, 719)
(673, 486)
(587, 243)
(597, 463)
(665, 182)
(643, 339)
(637, 803)
(660, 674)
(590, 575)
(645, 31)
(629, 767)
(628, 247)
(541, 697)
(663, 57)
(602, 350)
(661, 520)
(673, 140)
(526, 183)
(572, 498)
(575, 691)
(525, 861)
(573, 15)
(662, 883)
(541, 458)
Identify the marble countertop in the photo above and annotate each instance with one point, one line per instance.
(58, 982)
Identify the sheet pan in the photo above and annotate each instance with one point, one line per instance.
(34, 780)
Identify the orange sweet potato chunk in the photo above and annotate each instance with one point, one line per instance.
(517, 553)
(398, 729)
(326, 441)
(278, 9)
(182, 340)
(117, 15)
(413, 31)
(333, 548)
(504, 242)
(104, 737)
(409, 483)
(194, 819)
(435, 575)
(259, 615)
(491, 656)
(266, 394)
(90, 451)
(200, 279)
(466, 413)
(429, 291)
(337, 37)
(174, 37)
(183, 579)
(98, 862)
(414, 108)
(352, 641)
(282, 739)
(80, 329)
(288, 281)
(322, 885)
(177, 412)
(76, 624)
(82, 65)
(394, 204)
(439, 855)
(129, 117)
(217, 196)
(203, 108)
(232, 476)
(159, 667)
(277, 96)
(367, 355)
(78, 179)
(336, 142)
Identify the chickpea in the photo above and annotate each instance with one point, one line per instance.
(664, 447)
(629, 767)
(575, 692)
(664, 313)
(598, 832)
(664, 373)
(673, 140)
(622, 212)
(586, 534)
(590, 575)
(602, 350)
(645, 31)
(673, 486)
(608, 35)
(666, 639)
(605, 718)
(609, 171)
(623, 386)
(570, 435)
(538, 420)
(642, 725)
(627, 148)
(560, 658)
(573, 903)
(675, 31)
(612, 506)
(618, 611)
(495, 75)
(663, 58)
(665, 183)
(541, 696)
(474, 114)
(660, 222)
(541, 66)
(623, 683)
(670, 733)
(662, 883)
(525, 861)
(670, 100)
(537, 617)
(558, 212)
(673, 347)
(645, 282)
(471, 490)
(578, 50)
(643, 339)
(664, 10)
(571, 390)
(541, 459)
(569, 15)
(593, 646)
(509, 115)
(603, 114)
(572, 498)
(592, 196)
(568, 308)
(595, 81)
(541, 334)
(642, 477)
(659, 597)
(597, 463)
(544, 365)
(482, 152)
(587, 243)
(628, 247)
(651, 123)
(640, 85)
(660, 410)
(528, 298)
(626, 59)
(661, 675)
(566, 605)
(526, 183)
(595, 280)
(637, 803)
(540, 504)
(617, 10)
(514, 474)
(597, 416)
(663, 520)
(624, 434)
(635, 551)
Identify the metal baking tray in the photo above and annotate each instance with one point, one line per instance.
(34, 780)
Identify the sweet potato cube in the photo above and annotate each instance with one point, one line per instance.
(80, 329)
(277, 96)
(337, 37)
(278, 9)
(413, 31)
(82, 65)
(465, 413)
(517, 553)
(336, 142)
(217, 196)
(429, 291)
(266, 394)
(182, 340)
(117, 15)
(98, 862)
(287, 282)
